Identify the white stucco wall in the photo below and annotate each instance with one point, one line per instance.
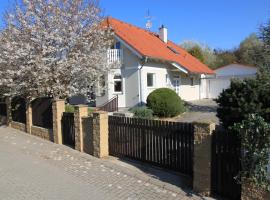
(187, 91)
(160, 72)
(132, 87)
(129, 96)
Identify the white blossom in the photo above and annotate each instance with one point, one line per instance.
(53, 48)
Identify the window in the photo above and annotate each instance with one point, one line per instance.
(192, 81)
(150, 79)
(118, 45)
(117, 81)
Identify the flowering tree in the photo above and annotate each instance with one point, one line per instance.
(53, 48)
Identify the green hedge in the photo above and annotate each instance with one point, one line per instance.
(142, 112)
(71, 108)
(165, 103)
(250, 96)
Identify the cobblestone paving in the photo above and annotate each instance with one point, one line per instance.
(32, 168)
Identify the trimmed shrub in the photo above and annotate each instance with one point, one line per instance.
(142, 112)
(165, 103)
(69, 108)
(244, 98)
(90, 110)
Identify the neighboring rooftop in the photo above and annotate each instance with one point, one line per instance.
(149, 44)
(239, 64)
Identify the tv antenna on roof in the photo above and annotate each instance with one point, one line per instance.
(149, 18)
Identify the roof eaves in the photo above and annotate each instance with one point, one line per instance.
(182, 69)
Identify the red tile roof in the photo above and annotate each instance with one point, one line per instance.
(148, 44)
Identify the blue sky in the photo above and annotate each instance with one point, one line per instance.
(218, 23)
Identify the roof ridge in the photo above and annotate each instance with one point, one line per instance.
(129, 24)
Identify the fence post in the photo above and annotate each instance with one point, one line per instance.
(58, 107)
(80, 112)
(202, 157)
(100, 134)
(28, 116)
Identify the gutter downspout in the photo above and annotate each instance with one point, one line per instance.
(144, 60)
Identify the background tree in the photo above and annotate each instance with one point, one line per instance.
(209, 58)
(224, 57)
(250, 51)
(197, 52)
(264, 35)
(53, 48)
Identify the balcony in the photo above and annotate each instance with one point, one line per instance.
(115, 56)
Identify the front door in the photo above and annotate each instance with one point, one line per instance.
(176, 84)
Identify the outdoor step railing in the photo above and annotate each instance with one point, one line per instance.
(111, 105)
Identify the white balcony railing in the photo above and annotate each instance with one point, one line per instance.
(115, 56)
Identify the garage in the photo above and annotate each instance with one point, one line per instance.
(216, 86)
(212, 87)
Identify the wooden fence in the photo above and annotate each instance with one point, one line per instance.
(42, 115)
(18, 109)
(3, 109)
(226, 164)
(68, 129)
(161, 143)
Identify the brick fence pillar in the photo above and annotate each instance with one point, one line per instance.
(28, 116)
(202, 158)
(80, 112)
(100, 134)
(8, 107)
(58, 108)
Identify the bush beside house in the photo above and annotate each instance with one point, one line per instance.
(250, 96)
(165, 103)
(142, 112)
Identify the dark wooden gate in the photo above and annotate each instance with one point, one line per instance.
(226, 151)
(68, 130)
(161, 143)
(3, 109)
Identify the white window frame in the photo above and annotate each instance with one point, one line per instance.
(117, 80)
(154, 80)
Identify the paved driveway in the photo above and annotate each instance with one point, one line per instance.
(32, 168)
(200, 111)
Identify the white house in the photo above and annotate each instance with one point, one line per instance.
(215, 85)
(147, 61)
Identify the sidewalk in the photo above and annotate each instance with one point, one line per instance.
(32, 168)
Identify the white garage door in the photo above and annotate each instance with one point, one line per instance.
(216, 86)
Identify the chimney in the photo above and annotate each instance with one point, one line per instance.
(163, 34)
